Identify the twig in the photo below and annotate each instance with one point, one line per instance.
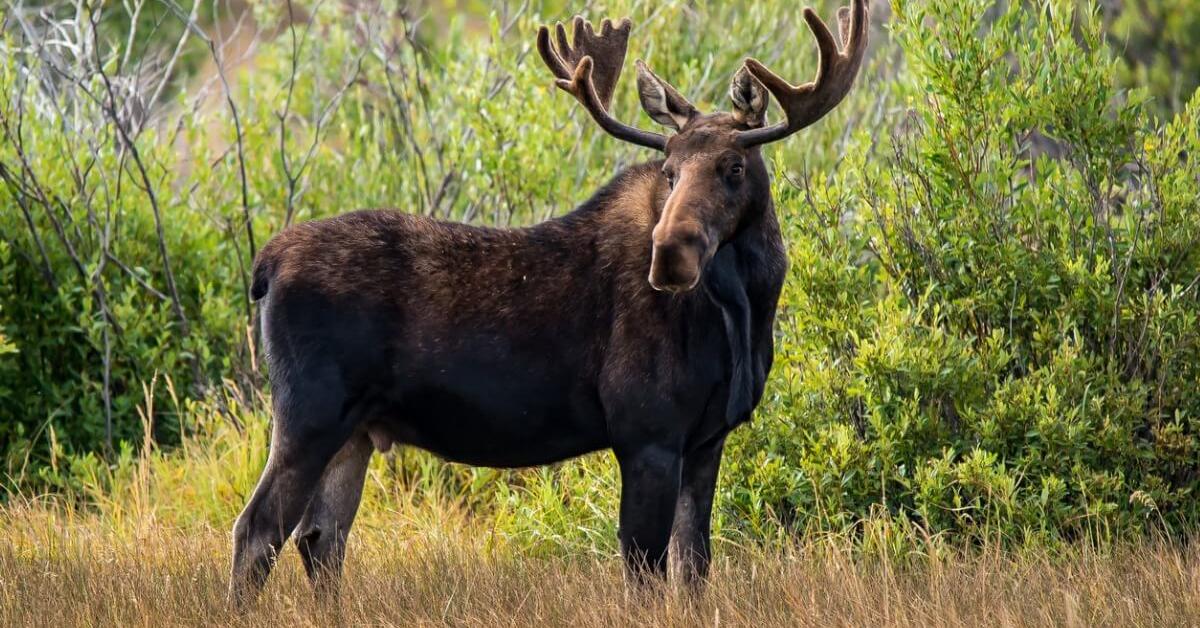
(110, 108)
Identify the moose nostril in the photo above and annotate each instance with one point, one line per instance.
(692, 238)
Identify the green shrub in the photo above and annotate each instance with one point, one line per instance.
(1155, 42)
(992, 326)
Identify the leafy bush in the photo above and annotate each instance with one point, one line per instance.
(1155, 42)
(989, 329)
(993, 320)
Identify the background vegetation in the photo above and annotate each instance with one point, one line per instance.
(989, 334)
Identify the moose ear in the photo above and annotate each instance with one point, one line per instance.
(749, 98)
(661, 101)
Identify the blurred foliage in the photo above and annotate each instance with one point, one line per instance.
(1156, 42)
(989, 330)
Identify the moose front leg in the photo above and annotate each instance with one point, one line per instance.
(649, 491)
(690, 546)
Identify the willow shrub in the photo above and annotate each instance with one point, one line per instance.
(992, 324)
(988, 330)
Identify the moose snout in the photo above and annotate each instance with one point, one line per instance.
(677, 257)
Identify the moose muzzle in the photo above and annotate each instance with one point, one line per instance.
(680, 249)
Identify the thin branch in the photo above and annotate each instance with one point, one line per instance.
(110, 108)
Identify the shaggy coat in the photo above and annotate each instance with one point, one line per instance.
(640, 322)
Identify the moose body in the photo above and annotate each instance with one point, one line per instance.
(640, 322)
(510, 348)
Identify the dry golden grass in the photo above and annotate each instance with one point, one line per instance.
(64, 569)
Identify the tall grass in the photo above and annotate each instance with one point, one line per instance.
(67, 569)
(146, 542)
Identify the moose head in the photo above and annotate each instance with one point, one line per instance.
(715, 173)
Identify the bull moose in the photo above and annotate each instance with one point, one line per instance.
(639, 322)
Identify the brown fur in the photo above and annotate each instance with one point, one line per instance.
(640, 322)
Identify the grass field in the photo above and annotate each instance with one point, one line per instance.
(64, 569)
(147, 542)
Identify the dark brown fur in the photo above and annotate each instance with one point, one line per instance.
(640, 322)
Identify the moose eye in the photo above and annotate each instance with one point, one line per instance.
(670, 178)
(735, 173)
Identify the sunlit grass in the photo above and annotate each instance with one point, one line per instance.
(145, 541)
(61, 567)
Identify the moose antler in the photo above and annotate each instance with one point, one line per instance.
(807, 103)
(589, 70)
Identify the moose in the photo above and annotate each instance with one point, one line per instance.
(639, 322)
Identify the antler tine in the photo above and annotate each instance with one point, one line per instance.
(549, 55)
(836, 70)
(580, 86)
(609, 43)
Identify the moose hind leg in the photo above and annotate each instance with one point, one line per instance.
(649, 491)
(304, 440)
(321, 535)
